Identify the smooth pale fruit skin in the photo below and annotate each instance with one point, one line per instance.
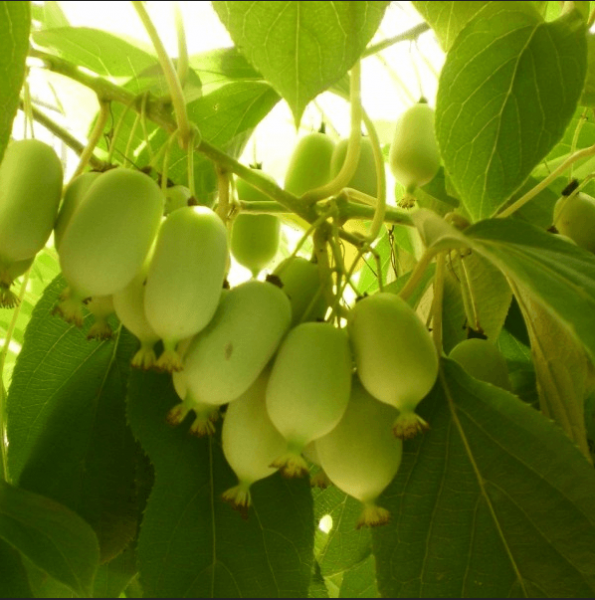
(227, 357)
(250, 440)
(482, 360)
(254, 238)
(310, 383)
(301, 283)
(364, 179)
(30, 191)
(73, 196)
(414, 156)
(111, 233)
(574, 217)
(310, 164)
(361, 456)
(176, 197)
(394, 354)
(186, 273)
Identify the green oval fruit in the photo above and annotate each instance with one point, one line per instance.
(302, 284)
(73, 196)
(185, 278)
(176, 197)
(574, 217)
(310, 164)
(361, 456)
(226, 358)
(250, 442)
(101, 307)
(395, 356)
(364, 179)
(308, 389)
(30, 192)
(129, 305)
(254, 238)
(483, 361)
(414, 156)
(111, 233)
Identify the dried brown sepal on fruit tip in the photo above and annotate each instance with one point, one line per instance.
(320, 480)
(239, 498)
(409, 425)
(169, 362)
(70, 308)
(204, 426)
(8, 299)
(291, 466)
(177, 414)
(100, 331)
(373, 516)
(145, 358)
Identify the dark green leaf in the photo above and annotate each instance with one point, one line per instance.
(114, 577)
(301, 48)
(67, 428)
(344, 546)
(192, 545)
(360, 582)
(99, 51)
(15, 23)
(317, 585)
(499, 98)
(447, 19)
(54, 538)
(493, 502)
(554, 274)
(44, 586)
(14, 582)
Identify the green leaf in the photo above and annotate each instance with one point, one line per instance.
(192, 545)
(67, 428)
(554, 274)
(43, 585)
(447, 19)
(15, 24)
(51, 536)
(50, 15)
(301, 48)
(222, 66)
(562, 371)
(493, 502)
(344, 546)
(99, 51)
(114, 577)
(434, 196)
(317, 585)
(360, 582)
(14, 582)
(499, 98)
(454, 317)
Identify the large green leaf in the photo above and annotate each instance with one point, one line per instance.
(447, 19)
(49, 15)
(114, 577)
(15, 24)
(99, 51)
(192, 545)
(301, 48)
(67, 430)
(500, 109)
(493, 502)
(14, 582)
(360, 582)
(54, 538)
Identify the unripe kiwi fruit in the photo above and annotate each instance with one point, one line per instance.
(254, 238)
(364, 179)
(482, 360)
(176, 197)
(185, 278)
(395, 356)
(310, 164)
(30, 191)
(8, 274)
(101, 307)
(227, 357)
(129, 305)
(300, 279)
(109, 236)
(73, 196)
(361, 456)
(250, 442)
(574, 217)
(308, 389)
(414, 156)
